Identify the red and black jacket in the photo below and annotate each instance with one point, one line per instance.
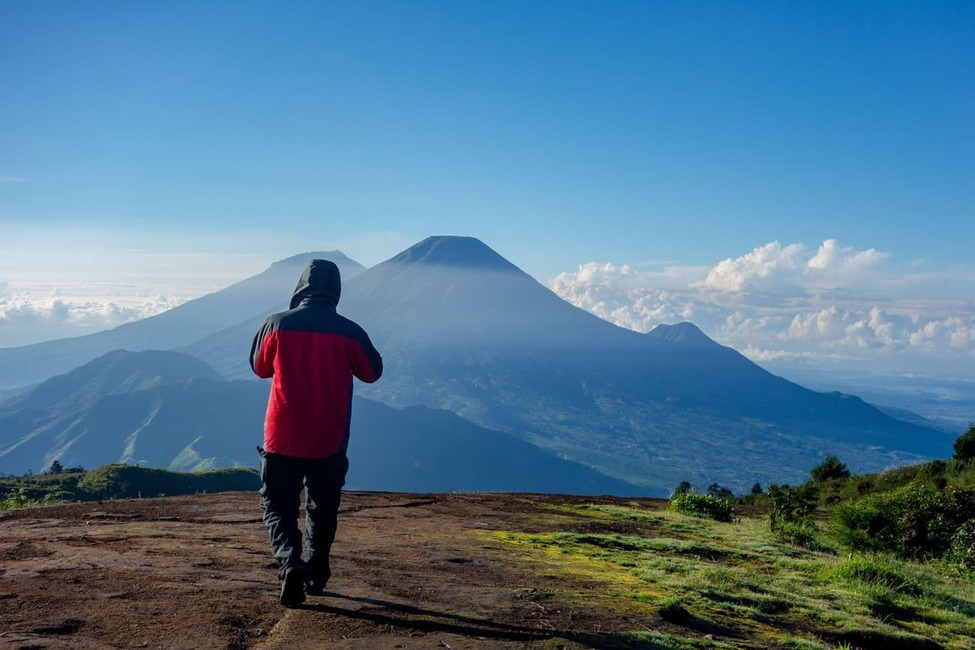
(311, 353)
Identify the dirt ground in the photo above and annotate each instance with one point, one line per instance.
(409, 571)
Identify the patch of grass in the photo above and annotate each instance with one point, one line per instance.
(876, 571)
(746, 587)
(633, 512)
(802, 533)
(792, 643)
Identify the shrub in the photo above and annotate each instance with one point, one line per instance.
(965, 444)
(951, 509)
(830, 468)
(962, 551)
(884, 521)
(720, 491)
(799, 533)
(911, 521)
(20, 498)
(790, 505)
(682, 487)
(702, 505)
(16, 499)
(789, 519)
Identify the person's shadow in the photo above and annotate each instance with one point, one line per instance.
(410, 617)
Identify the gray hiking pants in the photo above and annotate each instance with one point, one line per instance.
(283, 478)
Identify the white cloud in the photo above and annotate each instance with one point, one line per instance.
(832, 257)
(765, 267)
(27, 318)
(791, 269)
(786, 303)
(630, 298)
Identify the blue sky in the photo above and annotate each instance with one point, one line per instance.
(659, 135)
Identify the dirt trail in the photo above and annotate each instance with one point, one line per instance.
(410, 571)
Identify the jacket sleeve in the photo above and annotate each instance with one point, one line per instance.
(262, 351)
(367, 364)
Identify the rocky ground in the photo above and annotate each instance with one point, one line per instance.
(410, 571)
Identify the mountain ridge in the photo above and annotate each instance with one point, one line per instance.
(188, 418)
(486, 341)
(179, 326)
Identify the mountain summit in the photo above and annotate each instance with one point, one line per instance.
(457, 290)
(684, 333)
(452, 250)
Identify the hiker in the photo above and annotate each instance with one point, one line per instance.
(310, 353)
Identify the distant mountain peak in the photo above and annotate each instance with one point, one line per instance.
(454, 250)
(683, 333)
(303, 258)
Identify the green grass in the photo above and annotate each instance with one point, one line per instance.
(740, 584)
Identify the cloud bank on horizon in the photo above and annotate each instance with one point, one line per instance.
(790, 305)
(780, 304)
(76, 280)
(33, 316)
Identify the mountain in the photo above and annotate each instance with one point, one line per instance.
(263, 293)
(686, 334)
(118, 371)
(168, 409)
(136, 407)
(465, 330)
(485, 340)
(444, 291)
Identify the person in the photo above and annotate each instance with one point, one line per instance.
(311, 354)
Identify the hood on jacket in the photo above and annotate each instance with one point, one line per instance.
(319, 282)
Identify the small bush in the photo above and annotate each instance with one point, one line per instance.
(884, 522)
(912, 521)
(720, 491)
(789, 519)
(830, 468)
(790, 505)
(952, 507)
(682, 487)
(962, 551)
(16, 499)
(20, 498)
(965, 445)
(702, 505)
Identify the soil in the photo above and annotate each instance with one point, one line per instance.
(409, 571)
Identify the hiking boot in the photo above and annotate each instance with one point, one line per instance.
(315, 585)
(293, 587)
